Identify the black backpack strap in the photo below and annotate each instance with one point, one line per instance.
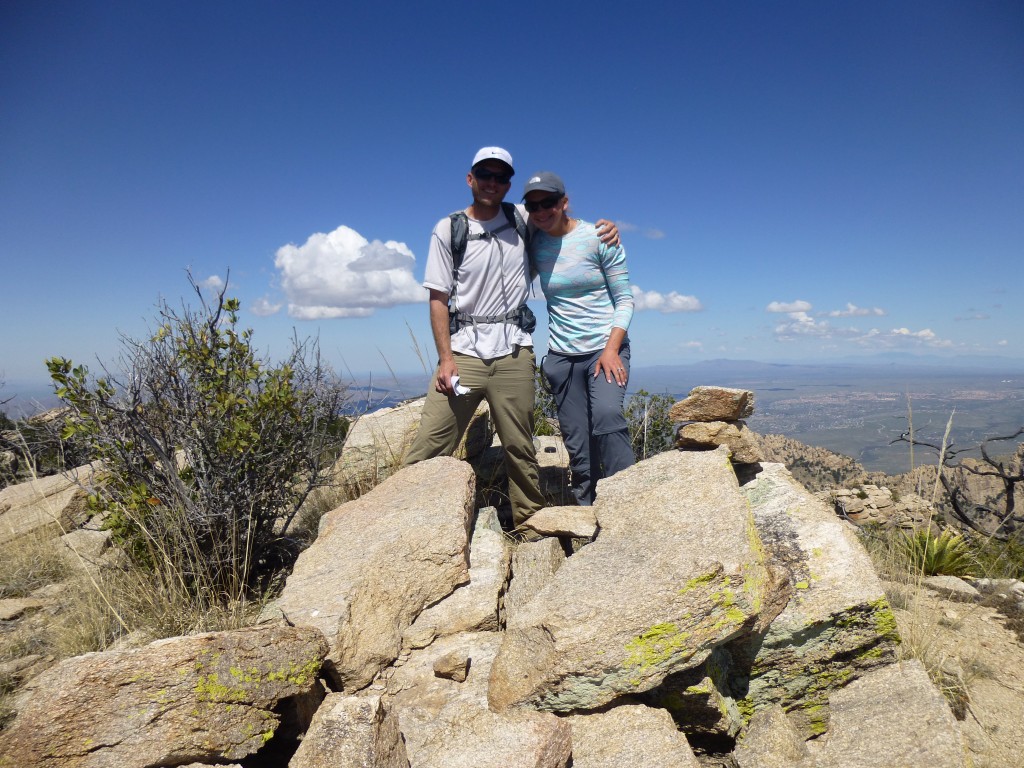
(460, 231)
(459, 234)
(513, 217)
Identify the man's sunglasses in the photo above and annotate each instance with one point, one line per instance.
(532, 206)
(482, 174)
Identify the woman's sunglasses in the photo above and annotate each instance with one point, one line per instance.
(532, 206)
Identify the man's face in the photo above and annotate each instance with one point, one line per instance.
(490, 181)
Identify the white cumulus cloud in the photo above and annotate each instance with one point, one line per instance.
(263, 307)
(664, 302)
(925, 335)
(902, 338)
(788, 306)
(213, 283)
(802, 324)
(852, 310)
(342, 274)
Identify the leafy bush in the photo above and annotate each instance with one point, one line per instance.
(545, 414)
(650, 429)
(208, 450)
(1000, 559)
(948, 554)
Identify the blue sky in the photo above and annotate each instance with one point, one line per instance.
(793, 180)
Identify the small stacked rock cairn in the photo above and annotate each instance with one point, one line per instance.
(713, 416)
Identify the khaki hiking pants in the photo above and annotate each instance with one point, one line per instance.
(507, 383)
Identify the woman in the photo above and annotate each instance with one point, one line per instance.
(590, 304)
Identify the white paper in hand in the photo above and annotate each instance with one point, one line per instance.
(459, 389)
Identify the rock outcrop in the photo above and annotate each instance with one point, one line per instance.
(352, 732)
(869, 504)
(204, 697)
(378, 562)
(714, 404)
(628, 735)
(377, 442)
(915, 730)
(817, 469)
(631, 608)
(53, 504)
(837, 623)
(447, 724)
(708, 600)
(473, 607)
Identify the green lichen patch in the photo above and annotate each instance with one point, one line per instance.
(885, 620)
(209, 688)
(755, 576)
(656, 647)
(699, 581)
(239, 683)
(816, 716)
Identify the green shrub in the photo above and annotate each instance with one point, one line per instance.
(208, 450)
(948, 554)
(1001, 559)
(650, 429)
(545, 414)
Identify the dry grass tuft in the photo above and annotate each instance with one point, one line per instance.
(31, 562)
(904, 561)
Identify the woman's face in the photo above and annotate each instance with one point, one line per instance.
(546, 209)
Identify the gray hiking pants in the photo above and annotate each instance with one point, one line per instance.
(591, 419)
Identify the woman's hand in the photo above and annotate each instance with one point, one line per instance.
(611, 364)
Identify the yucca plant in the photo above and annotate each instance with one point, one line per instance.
(948, 554)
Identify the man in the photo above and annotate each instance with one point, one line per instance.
(481, 328)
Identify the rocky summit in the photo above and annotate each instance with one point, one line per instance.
(708, 610)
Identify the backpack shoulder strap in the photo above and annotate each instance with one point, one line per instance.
(512, 214)
(460, 231)
(459, 234)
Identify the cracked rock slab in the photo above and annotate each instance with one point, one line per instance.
(413, 535)
(213, 696)
(631, 608)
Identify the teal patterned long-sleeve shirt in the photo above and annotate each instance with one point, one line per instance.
(586, 285)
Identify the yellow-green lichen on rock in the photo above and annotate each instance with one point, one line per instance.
(837, 623)
(655, 646)
(630, 609)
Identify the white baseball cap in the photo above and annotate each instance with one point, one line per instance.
(493, 153)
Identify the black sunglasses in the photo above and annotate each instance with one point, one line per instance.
(532, 206)
(482, 174)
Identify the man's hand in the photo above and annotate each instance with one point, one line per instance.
(445, 370)
(608, 232)
(446, 367)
